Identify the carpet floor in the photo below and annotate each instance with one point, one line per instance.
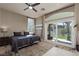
(45, 48)
(61, 52)
(36, 49)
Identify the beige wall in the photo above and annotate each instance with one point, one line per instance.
(77, 20)
(70, 9)
(13, 21)
(77, 14)
(38, 20)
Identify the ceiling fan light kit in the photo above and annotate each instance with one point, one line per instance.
(31, 6)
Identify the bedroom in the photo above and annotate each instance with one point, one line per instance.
(34, 19)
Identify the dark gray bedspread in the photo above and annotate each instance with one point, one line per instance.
(22, 41)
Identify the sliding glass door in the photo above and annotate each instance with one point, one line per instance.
(62, 31)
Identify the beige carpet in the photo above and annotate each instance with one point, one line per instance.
(45, 48)
(36, 49)
(55, 51)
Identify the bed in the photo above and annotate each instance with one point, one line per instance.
(19, 42)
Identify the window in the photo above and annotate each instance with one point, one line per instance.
(31, 25)
(64, 31)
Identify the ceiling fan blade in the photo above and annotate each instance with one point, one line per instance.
(27, 4)
(26, 8)
(35, 4)
(34, 9)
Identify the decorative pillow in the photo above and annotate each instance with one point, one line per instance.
(26, 33)
(17, 34)
(31, 33)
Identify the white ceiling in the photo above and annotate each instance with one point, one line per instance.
(19, 8)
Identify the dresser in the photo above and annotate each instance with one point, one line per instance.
(5, 41)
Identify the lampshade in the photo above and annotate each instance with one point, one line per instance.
(3, 29)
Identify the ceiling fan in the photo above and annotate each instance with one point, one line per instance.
(31, 6)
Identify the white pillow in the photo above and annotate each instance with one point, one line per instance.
(31, 33)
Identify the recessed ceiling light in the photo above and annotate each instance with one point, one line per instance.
(43, 9)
